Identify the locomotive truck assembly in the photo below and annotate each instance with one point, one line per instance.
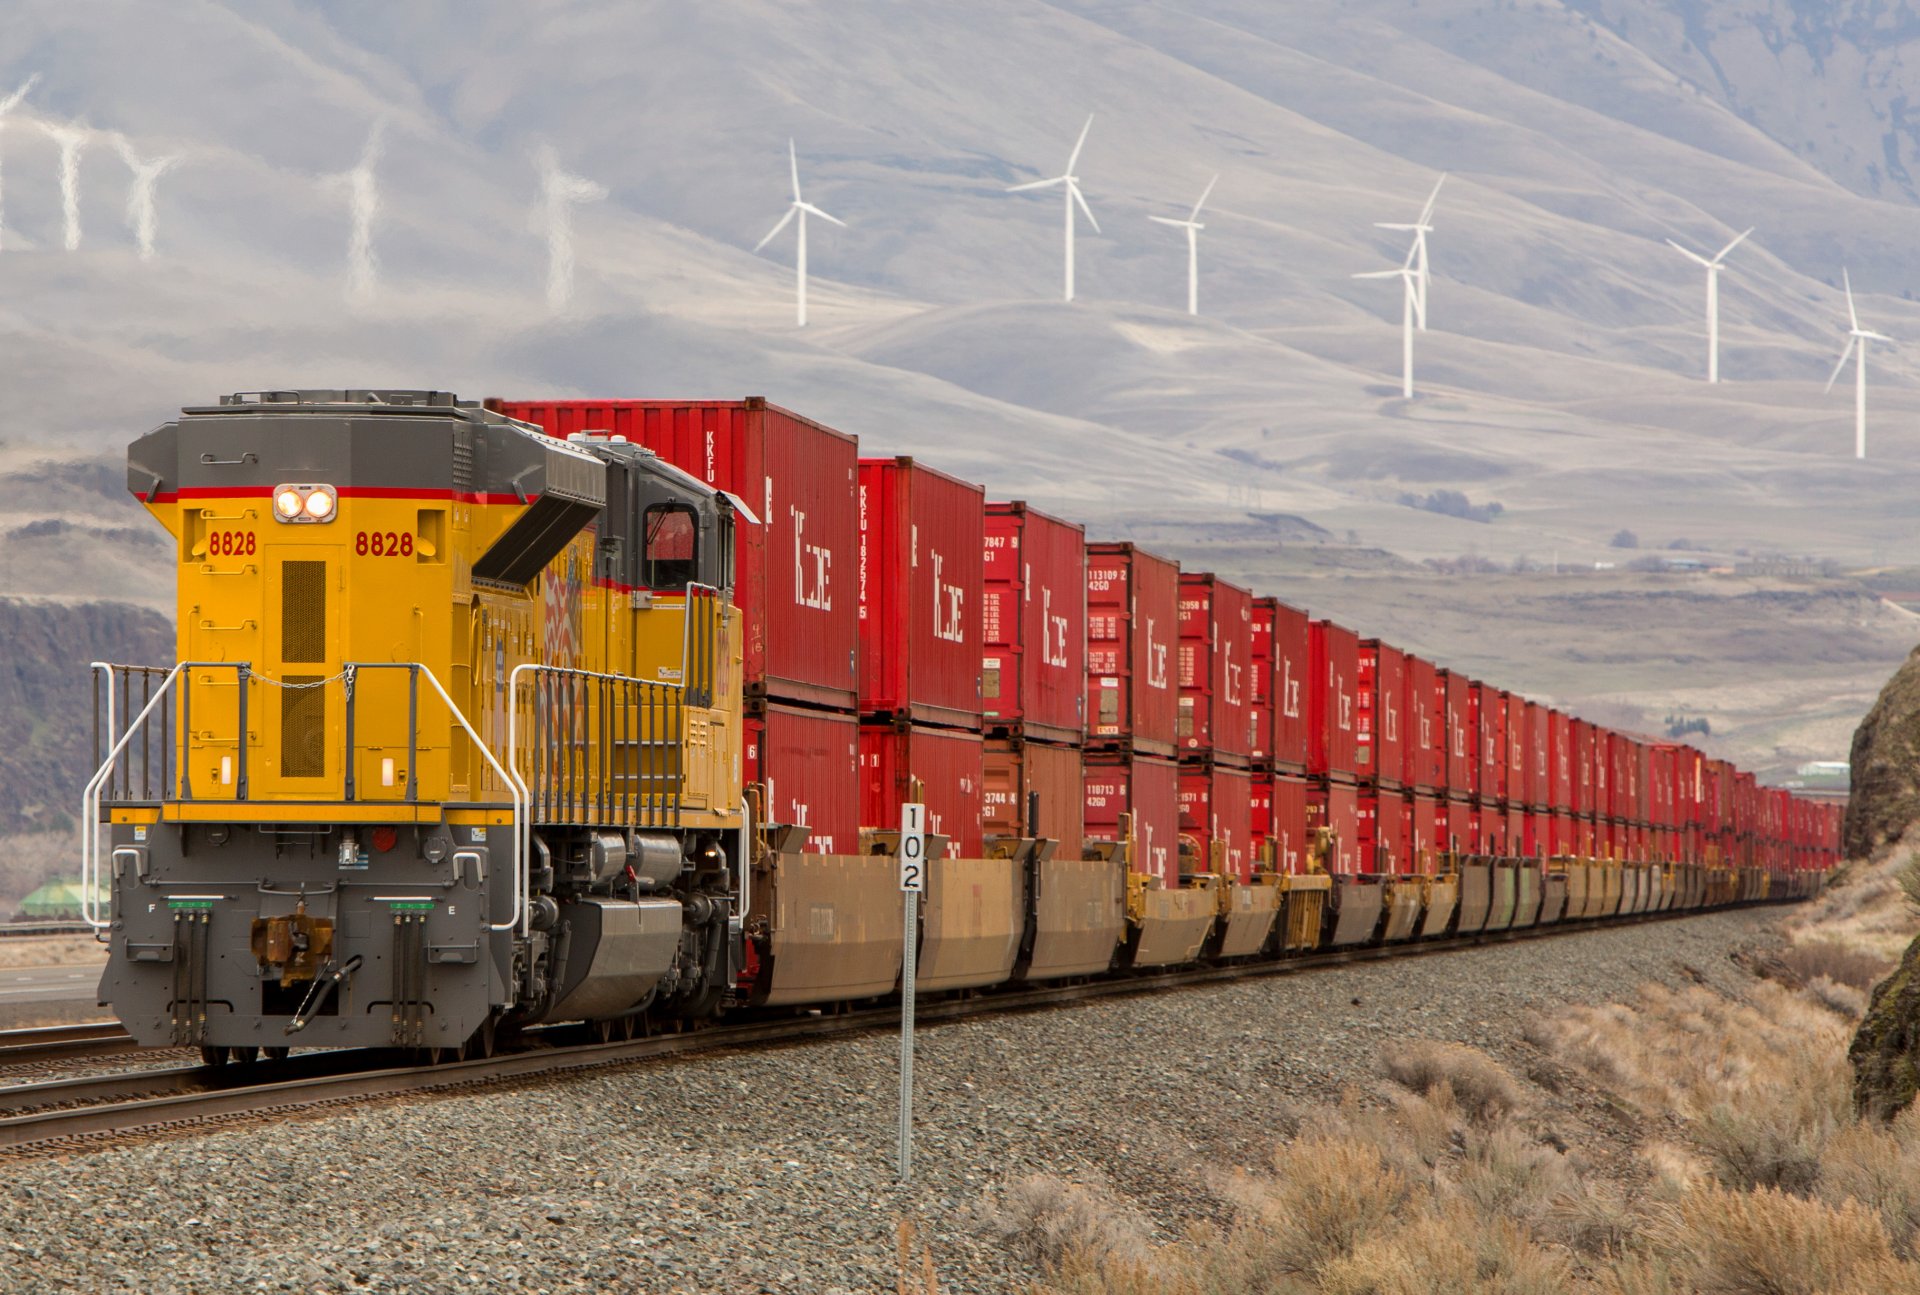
(493, 715)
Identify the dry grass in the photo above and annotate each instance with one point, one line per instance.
(1754, 1176)
(51, 951)
(1045, 1219)
(1870, 908)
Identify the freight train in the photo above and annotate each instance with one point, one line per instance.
(489, 715)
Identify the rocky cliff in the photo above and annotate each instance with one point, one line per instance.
(46, 712)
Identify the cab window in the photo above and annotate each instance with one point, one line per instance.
(671, 531)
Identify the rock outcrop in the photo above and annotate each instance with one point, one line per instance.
(1886, 1050)
(1886, 766)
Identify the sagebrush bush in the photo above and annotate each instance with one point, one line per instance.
(1483, 1091)
(1878, 1166)
(1045, 1218)
(1803, 963)
(1737, 1243)
(1328, 1195)
(1450, 1254)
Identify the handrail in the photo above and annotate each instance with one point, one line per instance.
(90, 803)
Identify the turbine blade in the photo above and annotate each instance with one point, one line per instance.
(1380, 274)
(1037, 184)
(793, 161)
(1844, 357)
(1204, 195)
(1385, 224)
(1730, 246)
(807, 206)
(1690, 254)
(777, 228)
(1426, 212)
(1078, 144)
(1169, 220)
(1852, 318)
(1872, 336)
(1074, 189)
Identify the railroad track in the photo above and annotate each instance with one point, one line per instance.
(67, 1114)
(63, 1043)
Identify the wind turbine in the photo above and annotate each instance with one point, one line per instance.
(140, 213)
(72, 139)
(802, 208)
(1713, 297)
(7, 105)
(1420, 229)
(1072, 183)
(363, 204)
(1410, 278)
(1856, 337)
(1193, 227)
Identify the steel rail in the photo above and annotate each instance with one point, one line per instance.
(59, 1042)
(191, 1099)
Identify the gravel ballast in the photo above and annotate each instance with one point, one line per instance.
(772, 1170)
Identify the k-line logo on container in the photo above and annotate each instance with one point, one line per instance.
(951, 627)
(1053, 631)
(820, 595)
(1156, 660)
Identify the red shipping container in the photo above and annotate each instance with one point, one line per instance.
(1216, 659)
(1216, 810)
(1560, 728)
(1539, 757)
(1460, 825)
(1425, 756)
(1292, 652)
(1490, 706)
(1517, 832)
(1565, 839)
(1133, 615)
(1451, 694)
(1260, 693)
(1426, 833)
(1385, 831)
(808, 761)
(1034, 624)
(1279, 817)
(1539, 834)
(1331, 701)
(949, 766)
(1336, 806)
(1015, 771)
(1602, 773)
(1661, 766)
(920, 591)
(792, 570)
(1586, 838)
(1580, 766)
(1379, 751)
(1517, 763)
(1149, 790)
(1493, 832)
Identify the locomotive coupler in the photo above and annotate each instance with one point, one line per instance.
(331, 977)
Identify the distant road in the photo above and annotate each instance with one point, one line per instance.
(49, 984)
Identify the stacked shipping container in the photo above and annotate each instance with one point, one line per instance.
(1133, 703)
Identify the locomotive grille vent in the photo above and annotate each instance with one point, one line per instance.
(303, 612)
(462, 464)
(303, 726)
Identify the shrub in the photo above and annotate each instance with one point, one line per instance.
(1478, 1086)
(1329, 1196)
(1736, 1243)
(1624, 539)
(1045, 1218)
(1844, 999)
(1508, 1175)
(1803, 963)
(1879, 1166)
(1450, 1254)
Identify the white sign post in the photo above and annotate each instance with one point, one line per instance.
(913, 881)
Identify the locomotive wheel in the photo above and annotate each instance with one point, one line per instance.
(275, 1054)
(243, 1055)
(479, 1045)
(212, 1056)
(603, 1031)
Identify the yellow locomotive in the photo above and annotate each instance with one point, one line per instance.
(453, 741)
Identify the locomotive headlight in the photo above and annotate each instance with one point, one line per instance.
(303, 502)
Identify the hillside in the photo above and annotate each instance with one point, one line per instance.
(1560, 377)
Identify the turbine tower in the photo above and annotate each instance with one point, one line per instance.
(802, 208)
(1409, 276)
(1072, 196)
(140, 213)
(1420, 229)
(1857, 339)
(1193, 227)
(1713, 297)
(560, 194)
(72, 139)
(7, 105)
(363, 203)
